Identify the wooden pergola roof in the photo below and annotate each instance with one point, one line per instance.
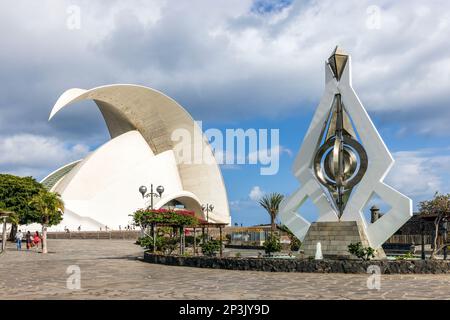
(197, 226)
(5, 213)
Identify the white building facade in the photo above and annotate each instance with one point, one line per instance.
(102, 190)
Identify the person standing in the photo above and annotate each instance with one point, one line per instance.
(19, 236)
(36, 240)
(28, 239)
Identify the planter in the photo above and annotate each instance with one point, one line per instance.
(303, 265)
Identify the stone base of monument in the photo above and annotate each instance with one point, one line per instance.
(334, 238)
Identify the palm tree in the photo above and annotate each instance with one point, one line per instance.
(49, 207)
(271, 202)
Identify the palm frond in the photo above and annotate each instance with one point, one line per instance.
(271, 202)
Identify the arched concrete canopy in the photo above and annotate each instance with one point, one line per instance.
(188, 199)
(156, 116)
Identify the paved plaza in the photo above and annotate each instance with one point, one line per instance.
(112, 269)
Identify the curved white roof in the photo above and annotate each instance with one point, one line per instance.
(156, 116)
(53, 178)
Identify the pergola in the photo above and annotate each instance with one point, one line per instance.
(202, 226)
(4, 215)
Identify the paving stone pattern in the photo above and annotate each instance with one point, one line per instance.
(112, 269)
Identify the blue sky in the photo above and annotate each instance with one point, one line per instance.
(231, 64)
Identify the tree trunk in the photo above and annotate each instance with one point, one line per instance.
(154, 236)
(44, 238)
(436, 234)
(195, 242)
(4, 235)
(12, 234)
(272, 223)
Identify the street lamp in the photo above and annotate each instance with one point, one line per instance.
(151, 194)
(207, 208)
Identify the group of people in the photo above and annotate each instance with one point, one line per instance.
(31, 240)
(105, 228)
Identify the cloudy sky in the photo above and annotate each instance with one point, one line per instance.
(232, 64)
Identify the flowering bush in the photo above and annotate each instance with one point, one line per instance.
(146, 217)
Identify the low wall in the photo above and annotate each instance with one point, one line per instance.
(104, 235)
(235, 246)
(303, 265)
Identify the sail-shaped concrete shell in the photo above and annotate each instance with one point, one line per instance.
(148, 129)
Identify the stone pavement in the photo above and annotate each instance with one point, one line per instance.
(110, 269)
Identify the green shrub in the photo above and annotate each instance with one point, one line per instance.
(163, 244)
(189, 240)
(145, 242)
(210, 247)
(295, 243)
(169, 245)
(365, 253)
(237, 255)
(272, 244)
(406, 256)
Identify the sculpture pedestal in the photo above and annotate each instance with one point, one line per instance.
(335, 238)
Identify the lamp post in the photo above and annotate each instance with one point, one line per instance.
(207, 208)
(151, 194)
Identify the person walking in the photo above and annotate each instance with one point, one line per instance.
(28, 239)
(36, 240)
(19, 237)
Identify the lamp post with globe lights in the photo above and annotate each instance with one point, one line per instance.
(151, 194)
(207, 208)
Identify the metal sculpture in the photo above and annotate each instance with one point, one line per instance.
(342, 163)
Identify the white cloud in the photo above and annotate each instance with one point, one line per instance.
(221, 58)
(419, 174)
(256, 193)
(26, 154)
